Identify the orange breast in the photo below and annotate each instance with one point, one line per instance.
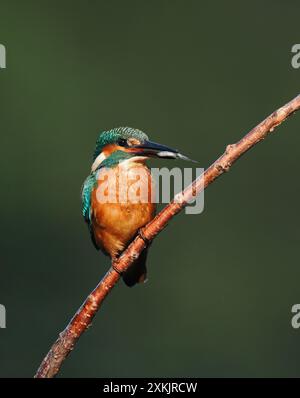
(121, 204)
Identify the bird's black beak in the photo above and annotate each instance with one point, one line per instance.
(152, 149)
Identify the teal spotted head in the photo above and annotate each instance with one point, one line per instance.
(122, 143)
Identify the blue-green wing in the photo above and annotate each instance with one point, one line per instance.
(86, 192)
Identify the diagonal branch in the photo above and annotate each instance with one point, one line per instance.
(84, 316)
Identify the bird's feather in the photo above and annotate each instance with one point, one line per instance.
(87, 188)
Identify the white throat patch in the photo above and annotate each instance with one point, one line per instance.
(99, 159)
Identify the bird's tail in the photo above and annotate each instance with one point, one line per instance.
(137, 272)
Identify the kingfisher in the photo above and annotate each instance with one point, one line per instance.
(120, 156)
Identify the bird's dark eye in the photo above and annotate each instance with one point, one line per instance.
(122, 142)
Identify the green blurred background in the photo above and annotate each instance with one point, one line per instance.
(193, 75)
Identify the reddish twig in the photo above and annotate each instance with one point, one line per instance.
(84, 316)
